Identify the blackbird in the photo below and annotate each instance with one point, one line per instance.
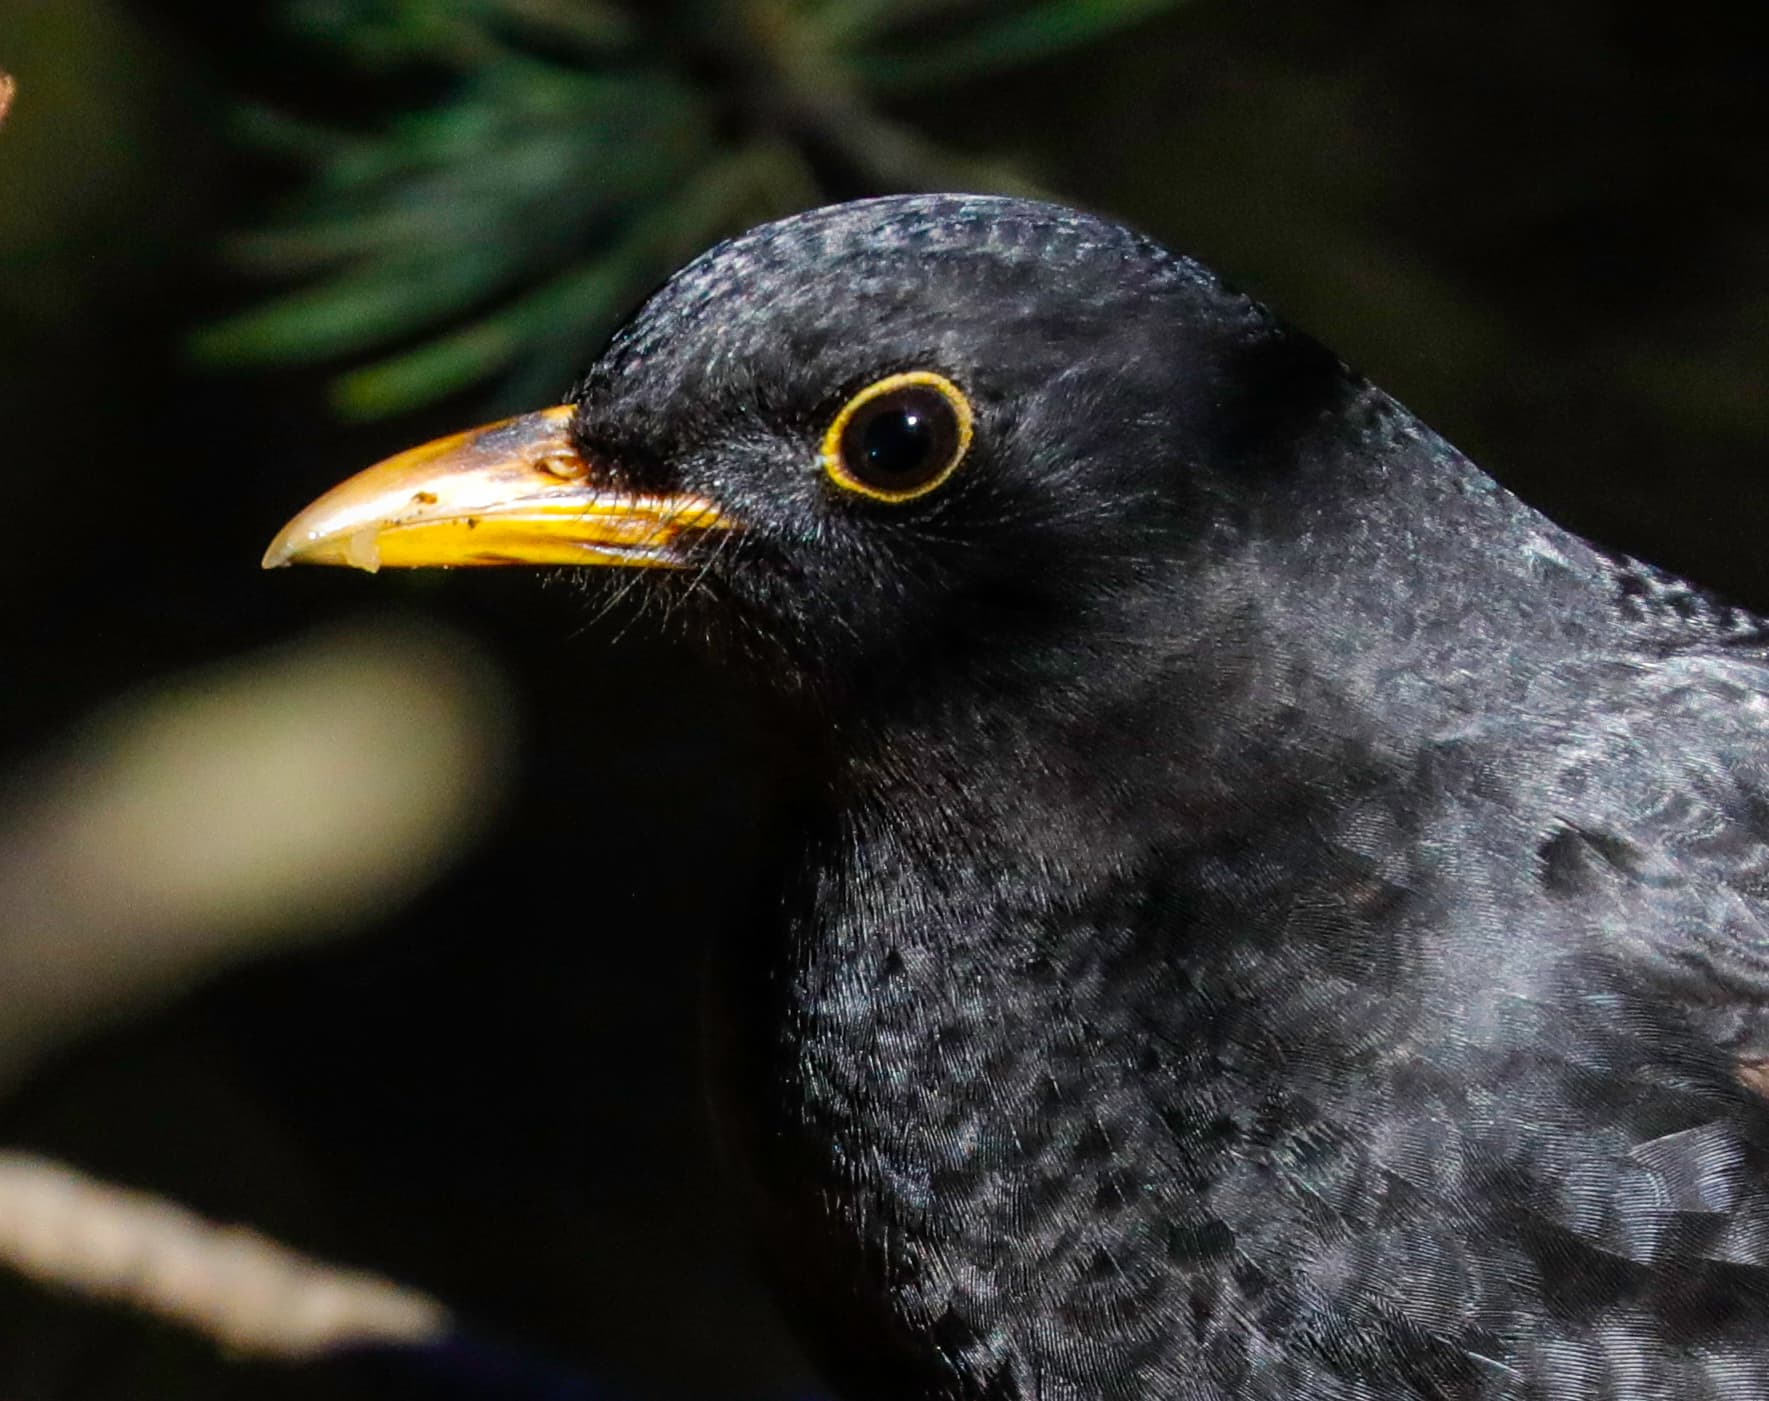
(1272, 916)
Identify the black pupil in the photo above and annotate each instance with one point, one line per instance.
(902, 440)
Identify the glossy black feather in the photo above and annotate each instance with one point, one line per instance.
(1272, 916)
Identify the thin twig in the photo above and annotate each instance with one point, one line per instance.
(249, 1294)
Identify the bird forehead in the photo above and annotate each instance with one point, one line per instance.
(896, 259)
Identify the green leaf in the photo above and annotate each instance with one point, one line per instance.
(551, 325)
(589, 25)
(585, 299)
(315, 243)
(496, 232)
(383, 34)
(1038, 32)
(851, 22)
(428, 373)
(376, 303)
(282, 135)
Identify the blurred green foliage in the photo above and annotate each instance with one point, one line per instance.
(579, 150)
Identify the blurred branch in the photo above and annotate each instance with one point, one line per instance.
(580, 151)
(277, 799)
(255, 1299)
(248, 1294)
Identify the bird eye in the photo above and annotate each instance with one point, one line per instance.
(899, 438)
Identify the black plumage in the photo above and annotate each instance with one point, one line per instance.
(1269, 915)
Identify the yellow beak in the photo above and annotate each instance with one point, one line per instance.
(515, 492)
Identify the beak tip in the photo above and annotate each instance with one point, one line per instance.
(303, 542)
(284, 550)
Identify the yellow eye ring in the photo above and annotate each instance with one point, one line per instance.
(900, 437)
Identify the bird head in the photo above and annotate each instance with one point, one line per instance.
(881, 444)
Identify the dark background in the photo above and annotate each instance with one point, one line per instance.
(1543, 227)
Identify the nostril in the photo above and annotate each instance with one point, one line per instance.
(566, 466)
